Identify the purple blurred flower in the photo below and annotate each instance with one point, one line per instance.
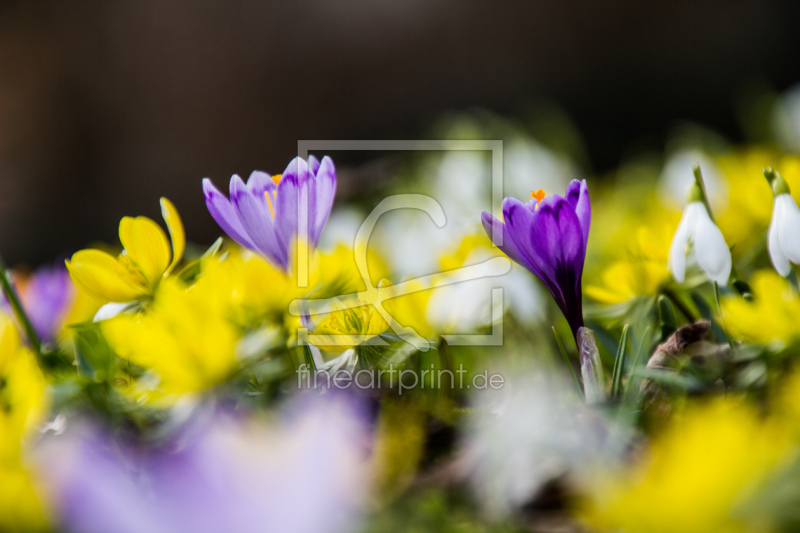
(47, 296)
(266, 217)
(548, 237)
(304, 476)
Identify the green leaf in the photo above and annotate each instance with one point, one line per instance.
(666, 317)
(619, 363)
(707, 312)
(670, 378)
(95, 357)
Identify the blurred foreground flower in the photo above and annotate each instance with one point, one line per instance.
(138, 270)
(783, 239)
(301, 475)
(697, 231)
(266, 215)
(47, 295)
(530, 432)
(695, 477)
(22, 406)
(771, 318)
(548, 237)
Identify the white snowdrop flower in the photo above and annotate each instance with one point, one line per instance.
(783, 242)
(698, 232)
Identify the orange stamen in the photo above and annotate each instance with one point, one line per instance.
(269, 203)
(539, 195)
(275, 179)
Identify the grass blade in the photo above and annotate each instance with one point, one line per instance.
(619, 363)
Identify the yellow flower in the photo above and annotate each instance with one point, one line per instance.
(643, 266)
(409, 309)
(633, 247)
(184, 339)
(771, 318)
(345, 328)
(21, 388)
(22, 407)
(145, 260)
(247, 285)
(627, 279)
(696, 476)
(254, 291)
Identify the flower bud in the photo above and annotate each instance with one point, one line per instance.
(591, 367)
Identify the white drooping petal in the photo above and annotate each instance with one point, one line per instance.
(677, 250)
(787, 217)
(710, 249)
(345, 362)
(779, 260)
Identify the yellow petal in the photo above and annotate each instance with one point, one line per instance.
(101, 275)
(147, 246)
(175, 227)
(9, 342)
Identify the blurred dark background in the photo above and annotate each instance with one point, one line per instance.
(105, 106)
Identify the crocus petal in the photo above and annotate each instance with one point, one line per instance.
(581, 205)
(492, 225)
(101, 275)
(779, 260)
(557, 236)
(293, 179)
(47, 298)
(176, 232)
(677, 250)
(710, 249)
(519, 226)
(313, 164)
(325, 191)
(147, 246)
(260, 183)
(257, 222)
(225, 215)
(560, 250)
(789, 227)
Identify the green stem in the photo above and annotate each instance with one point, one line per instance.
(16, 305)
(698, 177)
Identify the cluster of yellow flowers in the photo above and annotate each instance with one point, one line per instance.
(162, 327)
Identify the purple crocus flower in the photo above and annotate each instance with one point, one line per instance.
(303, 475)
(47, 296)
(548, 237)
(269, 213)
